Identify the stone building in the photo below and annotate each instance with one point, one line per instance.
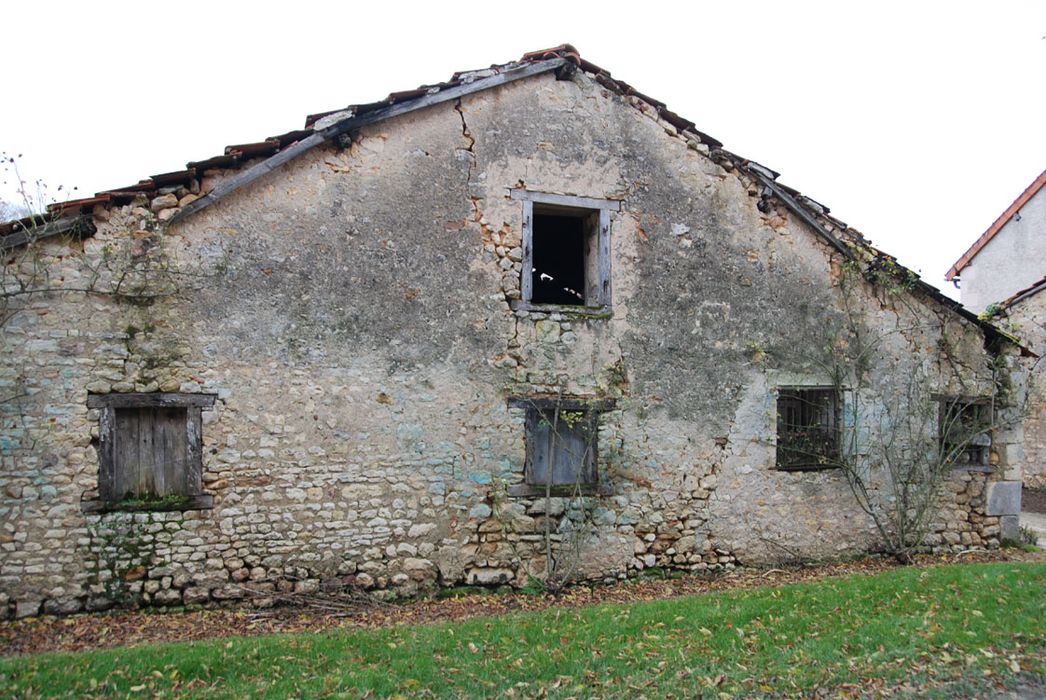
(1001, 275)
(1024, 314)
(528, 322)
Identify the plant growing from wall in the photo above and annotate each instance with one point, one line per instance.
(909, 414)
(563, 425)
(136, 270)
(43, 256)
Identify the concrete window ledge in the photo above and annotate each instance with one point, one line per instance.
(201, 502)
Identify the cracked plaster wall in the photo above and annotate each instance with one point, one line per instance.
(351, 312)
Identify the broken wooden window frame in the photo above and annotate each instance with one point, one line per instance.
(597, 215)
(810, 442)
(586, 479)
(110, 462)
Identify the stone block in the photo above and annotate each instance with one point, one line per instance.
(167, 597)
(1004, 498)
(552, 506)
(480, 511)
(166, 201)
(27, 608)
(1009, 527)
(62, 606)
(412, 564)
(97, 602)
(195, 594)
(489, 577)
(309, 585)
(228, 593)
(420, 530)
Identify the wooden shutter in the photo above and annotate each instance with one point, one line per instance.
(570, 454)
(150, 451)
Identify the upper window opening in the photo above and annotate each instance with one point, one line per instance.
(559, 268)
(566, 251)
(807, 428)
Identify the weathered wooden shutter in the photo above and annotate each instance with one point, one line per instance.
(570, 453)
(149, 446)
(150, 453)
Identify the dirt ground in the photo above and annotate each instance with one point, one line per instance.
(123, 628)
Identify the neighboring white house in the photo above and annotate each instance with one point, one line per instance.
(1009, 256)
(1006, 269)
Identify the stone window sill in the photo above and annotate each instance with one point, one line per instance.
(201, 502)
(565, 490)
(808, 468)
(980, 468)
(562, 309)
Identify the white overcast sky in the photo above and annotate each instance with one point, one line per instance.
(915, 122)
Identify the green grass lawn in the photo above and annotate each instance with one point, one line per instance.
(953, 628)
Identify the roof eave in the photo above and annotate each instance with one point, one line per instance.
(356, 121)
(1004, 218)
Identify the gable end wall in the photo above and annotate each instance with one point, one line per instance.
(352, 314)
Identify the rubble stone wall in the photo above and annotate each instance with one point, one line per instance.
(351, 312)
(1027, 319)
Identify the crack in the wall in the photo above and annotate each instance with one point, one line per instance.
(471, 148)
(488, 234)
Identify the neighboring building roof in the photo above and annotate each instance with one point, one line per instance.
(1015, 207)
(1023, 294)
(256, 159)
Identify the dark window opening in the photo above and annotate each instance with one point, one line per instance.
(559, 260)
(807, 429)
(566, 253)
(965, 432)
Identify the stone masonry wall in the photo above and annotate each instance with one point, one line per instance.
(351, 312)
(1027, 319)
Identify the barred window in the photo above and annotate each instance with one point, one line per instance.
(965, 432)
(807, 428)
